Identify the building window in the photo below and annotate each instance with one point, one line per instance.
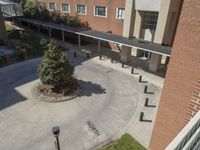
(65, 7)
(100, 11)
(120, 13)
(150, 20)
(81, 9)
(52, 6)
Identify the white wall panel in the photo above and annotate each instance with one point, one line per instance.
(147, 5)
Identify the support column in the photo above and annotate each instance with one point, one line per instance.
(155, 60)
(63, 36)
(128, 28)
(79, 41)
(129, 18)
(50, 32)
(137, 29)
(99, 46)
(125, 54)
(154, 63)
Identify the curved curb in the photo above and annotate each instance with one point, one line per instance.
(40, 96)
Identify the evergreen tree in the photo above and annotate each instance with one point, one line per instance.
(55, 69)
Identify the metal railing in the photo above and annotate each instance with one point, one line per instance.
(11, 9)
(189, 137)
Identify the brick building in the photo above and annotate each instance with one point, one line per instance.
(155, 21)
(180, 99)
(149, 20)
(103, 19)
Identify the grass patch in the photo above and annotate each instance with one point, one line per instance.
(9, 26)
(30, 42)
(126, 142)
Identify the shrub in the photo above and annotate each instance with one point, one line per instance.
(38, 10)
(31, 9)
(75, 21)
(56, 17)
(35, 9)
(55, 69)
(3, 59)
(20, 55)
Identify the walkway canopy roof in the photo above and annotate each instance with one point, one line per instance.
(130, 42)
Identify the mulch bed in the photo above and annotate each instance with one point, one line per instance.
(45, 93)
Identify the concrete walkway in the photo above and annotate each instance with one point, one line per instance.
(109, 106)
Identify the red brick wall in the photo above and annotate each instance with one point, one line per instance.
(194, 106)
(180, 96)
(104, 24)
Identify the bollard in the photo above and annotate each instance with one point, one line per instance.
(145, 89)
(146, 102)
(111, 60)
(141, 116)
(56, 132)
(132, 70)
(122, 65)
(140, 78)
(87, 55)
(100, 57)
(75, 54)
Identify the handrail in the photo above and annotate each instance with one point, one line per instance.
(189, 137)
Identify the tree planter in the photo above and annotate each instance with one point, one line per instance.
(39, 93)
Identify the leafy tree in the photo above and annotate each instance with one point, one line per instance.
(23, 2)
(43, 11)
(56, 17)
(36, 10)
(55, 69)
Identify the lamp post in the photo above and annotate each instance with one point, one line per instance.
(56, 132)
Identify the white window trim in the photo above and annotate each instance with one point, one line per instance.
(65, 11)
(49, 6)
(117, 13)
(100, 15)
(81, 13)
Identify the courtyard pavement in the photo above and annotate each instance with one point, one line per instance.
(109, 106)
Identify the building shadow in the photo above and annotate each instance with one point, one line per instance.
(17, 75)
(12, 77)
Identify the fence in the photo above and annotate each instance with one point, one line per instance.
(11, 9)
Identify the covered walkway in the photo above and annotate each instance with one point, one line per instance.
(99, 36)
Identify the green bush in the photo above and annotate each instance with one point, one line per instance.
(56, 17)
(38, 10)
(35, 9)
(55, 69)
(20, 55)
(75, 21)
(31, 9)
(14, 35)
(3, 59)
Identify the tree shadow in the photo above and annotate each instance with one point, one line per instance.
(17, 75)
(88, 88)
